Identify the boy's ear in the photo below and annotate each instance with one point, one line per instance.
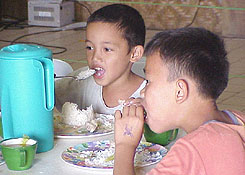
(181, 91)
(137, 53)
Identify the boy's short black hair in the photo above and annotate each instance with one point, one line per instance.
(128, 20)
(195, 52)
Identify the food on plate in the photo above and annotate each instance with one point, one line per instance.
(84, 118)
(100, 154)
(76, 121)
(73, 116)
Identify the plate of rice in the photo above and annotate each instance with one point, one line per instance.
(75, 123)
(99, 155)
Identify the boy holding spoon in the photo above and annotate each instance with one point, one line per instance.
(115, 39)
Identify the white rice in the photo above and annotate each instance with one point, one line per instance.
(85, 74)
(73, 116)
(121, 102)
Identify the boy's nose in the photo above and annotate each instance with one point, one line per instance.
(96, 56)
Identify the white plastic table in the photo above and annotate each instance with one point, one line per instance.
(51, 163)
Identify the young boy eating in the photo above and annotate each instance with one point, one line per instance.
(186, 69)
(115, 39)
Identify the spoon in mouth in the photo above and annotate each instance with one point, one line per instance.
(85, 74)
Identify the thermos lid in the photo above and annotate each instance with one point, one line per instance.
(24, 51)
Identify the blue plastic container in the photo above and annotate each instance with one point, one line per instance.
(27, 93)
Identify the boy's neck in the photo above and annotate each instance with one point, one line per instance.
(121, 90)
(201, 114)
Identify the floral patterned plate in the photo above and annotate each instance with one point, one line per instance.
(100, 154)
(105, 127)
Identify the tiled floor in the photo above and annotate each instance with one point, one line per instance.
(73, 41)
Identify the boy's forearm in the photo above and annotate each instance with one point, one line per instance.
(124, 160)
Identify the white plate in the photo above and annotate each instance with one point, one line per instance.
(66, 131)
(99, 155)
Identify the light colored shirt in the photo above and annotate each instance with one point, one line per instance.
(215, 148)
(85, 93)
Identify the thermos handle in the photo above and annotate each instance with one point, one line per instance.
(49, 82)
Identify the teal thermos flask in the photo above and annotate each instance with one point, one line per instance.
(27, 93)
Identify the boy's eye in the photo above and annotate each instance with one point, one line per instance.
(89, 48)
(107, 49)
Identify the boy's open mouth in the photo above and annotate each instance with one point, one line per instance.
(99, 72)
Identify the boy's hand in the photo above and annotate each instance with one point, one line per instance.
(133, 101)
(129, 126)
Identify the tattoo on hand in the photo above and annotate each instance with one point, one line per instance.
(128, 131)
